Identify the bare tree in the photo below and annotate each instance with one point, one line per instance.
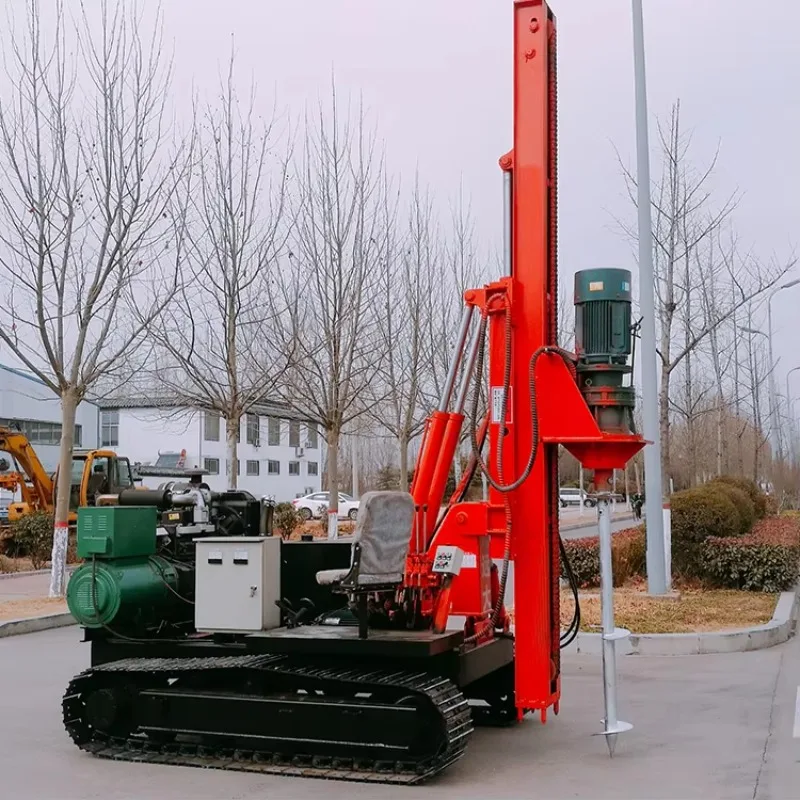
(338, 247)
(458, 270)
(218, 337)
(407, 279)
(755, 372)
(86, 191)
(566, 318)
(685, 226)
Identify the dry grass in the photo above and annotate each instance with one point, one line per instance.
(31, 607)
(8, 564)
(696, 610)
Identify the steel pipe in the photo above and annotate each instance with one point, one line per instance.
(450, 381)
(611, 634)
(507, 195)
(469, 368)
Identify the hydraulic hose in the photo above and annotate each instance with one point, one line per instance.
(572, 631)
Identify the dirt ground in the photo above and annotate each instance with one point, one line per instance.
(31, 607)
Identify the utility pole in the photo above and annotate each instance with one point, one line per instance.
(657, 566)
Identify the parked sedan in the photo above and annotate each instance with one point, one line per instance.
(567, 496)
(309, 506)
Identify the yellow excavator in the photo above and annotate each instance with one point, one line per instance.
(94, 473)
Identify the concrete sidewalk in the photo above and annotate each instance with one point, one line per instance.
(26, 585)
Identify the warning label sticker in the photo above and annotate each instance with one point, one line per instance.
(497, 404)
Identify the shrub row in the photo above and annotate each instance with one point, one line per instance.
(286, 519)
(725, 507)
(713, 539)
(766, 560)
(751, 489)
(696, 515)
(628, 556)
(32, 537)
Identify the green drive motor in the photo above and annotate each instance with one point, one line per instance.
(123, 584)
(603, 339)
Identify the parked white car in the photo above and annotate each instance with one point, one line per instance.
(309, 506)
(567, 496)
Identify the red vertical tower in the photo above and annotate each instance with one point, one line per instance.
(534, 512)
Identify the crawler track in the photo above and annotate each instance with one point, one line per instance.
(289, 718)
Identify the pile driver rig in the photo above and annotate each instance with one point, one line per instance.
(341, 660)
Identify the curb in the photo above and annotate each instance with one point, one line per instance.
(26, 573)
(14, 627)
(776, 631)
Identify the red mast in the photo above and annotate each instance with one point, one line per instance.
(534, 405)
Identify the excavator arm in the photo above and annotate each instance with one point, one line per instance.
(38, 489)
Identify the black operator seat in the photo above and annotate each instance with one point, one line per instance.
(380, 544)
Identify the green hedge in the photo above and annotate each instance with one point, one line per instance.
(32, 536)
(751, 489)
(744, 505)
(584, 559)
(698, 514)
(766, 560)
(628, 557)
(286, 519)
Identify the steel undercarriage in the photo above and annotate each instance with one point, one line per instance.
(292, 701)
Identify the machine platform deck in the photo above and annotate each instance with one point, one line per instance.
(329, 640)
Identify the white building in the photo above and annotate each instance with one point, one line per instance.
(279, 455)
(30, 406)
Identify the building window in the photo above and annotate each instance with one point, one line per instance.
(274, 432)
(109, 429)
(273, 467)
(211, 432)
(252, 430)
(78, 436)
(313, 468)
(211, 466)
(294, 467)
(252, 467)
(313, 437)
(294, 433)
(40, 432)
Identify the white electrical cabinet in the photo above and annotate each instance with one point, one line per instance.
(237, 581)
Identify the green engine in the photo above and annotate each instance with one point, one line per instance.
(124, 584)
(603, 343)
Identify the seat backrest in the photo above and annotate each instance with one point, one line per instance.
(382, 534)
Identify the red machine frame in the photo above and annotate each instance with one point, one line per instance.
(520, 312)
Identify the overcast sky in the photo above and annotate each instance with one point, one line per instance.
(437, 75)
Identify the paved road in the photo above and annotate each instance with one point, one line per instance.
(705, 727)
(25, 585)
(590, 528)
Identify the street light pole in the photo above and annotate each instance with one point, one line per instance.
(790, 420)
(775, 435)
(657, 567)
(770, 387)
